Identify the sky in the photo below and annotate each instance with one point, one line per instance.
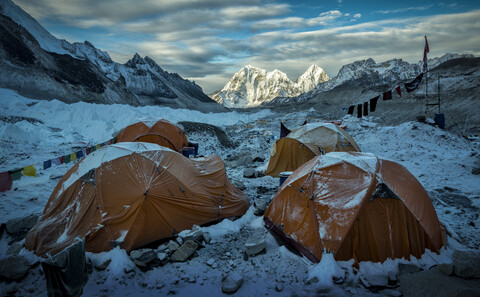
(208, 41)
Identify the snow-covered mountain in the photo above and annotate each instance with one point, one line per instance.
(32, 61)
(251, 86)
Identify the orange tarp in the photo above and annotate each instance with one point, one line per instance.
(357, 206)
(306, 142)
(161, 132)
(132, 194)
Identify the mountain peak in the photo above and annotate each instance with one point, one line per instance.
(252, 86)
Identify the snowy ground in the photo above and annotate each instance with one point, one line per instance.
(34, 131)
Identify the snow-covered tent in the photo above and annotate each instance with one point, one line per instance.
(131, 194)
(161, 132)
(356, 206)
(306, 142)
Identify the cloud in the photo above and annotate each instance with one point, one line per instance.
(407, 9)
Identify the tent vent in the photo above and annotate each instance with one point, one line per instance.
(383, 191)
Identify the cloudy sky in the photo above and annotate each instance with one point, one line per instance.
(208, 41)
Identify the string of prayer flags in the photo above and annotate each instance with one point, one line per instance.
(399, 91)
(16, 174)
(387, 95)
(365, 108)
(411, 86)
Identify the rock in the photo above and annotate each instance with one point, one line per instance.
(407, 268)
(241, 186)
(179, 240)
(244, 158)
(102, 265)
(184, 252)
(19, 225)
(210, 262)
(258, 159)
(231, 283)
(14, 268)
(14, 249)
(279, 287)
(196, 234)
(434, 283)
(249, 173)
(375, 281)
(255, 244)
(163, 258)
(172, 246)
(260, 207)
(207, 237)
(446, 268)
(421, 119)
(476, 171)
(392, 278)
(466, 263)
(145, 259)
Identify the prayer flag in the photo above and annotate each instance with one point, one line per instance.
(73, 157)
(88, 151)
(365, 108)
(5, 181)
(425, 51)
(373, 103)
(79, 155)
(47, 164)
(411, 86)
(16, 174)
(399, 91)
(350, 109)
(387, 95)
(29, 171)
(359, 110)
(66, 159)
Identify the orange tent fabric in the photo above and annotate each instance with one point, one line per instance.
(161, 132)
(357, 206)
(132, 194)
(306, 142)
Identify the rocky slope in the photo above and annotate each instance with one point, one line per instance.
(35, 63)
(252, 86)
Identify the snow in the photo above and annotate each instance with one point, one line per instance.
(33, 131)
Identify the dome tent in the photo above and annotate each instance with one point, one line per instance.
(161, 132)
(356, 206)
(306, 142)
(132, 194)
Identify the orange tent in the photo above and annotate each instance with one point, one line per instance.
(161, 132)
(306, 142)
(131, 194)
(356, 206)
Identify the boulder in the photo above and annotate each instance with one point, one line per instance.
(476, 171)
(14, 249)
(21, 225)
(207, 237)
(184, 252)
(231, 283)
(195, 234)
(14, 268)
(466, 263)
(163, 258)
(249, 173)
(210, 262)
(260, 207)
(255, 244)
(172, 246)
(142, 257)
(435, 283)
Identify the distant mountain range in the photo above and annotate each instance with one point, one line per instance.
(252, 86)
(38, 65)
